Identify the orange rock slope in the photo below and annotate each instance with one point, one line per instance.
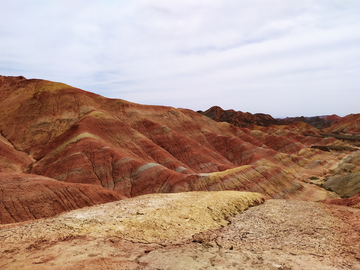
(349, 124)
(79, 138)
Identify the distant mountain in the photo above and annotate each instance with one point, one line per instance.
(241, 119)
(238, 118)
(318, 122)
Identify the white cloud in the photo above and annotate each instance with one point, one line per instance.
(278, 57)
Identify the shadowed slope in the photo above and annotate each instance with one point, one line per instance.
(12, 160)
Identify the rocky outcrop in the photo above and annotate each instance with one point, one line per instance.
(344, 185)
(344, 180)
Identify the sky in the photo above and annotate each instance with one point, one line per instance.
(280, 57)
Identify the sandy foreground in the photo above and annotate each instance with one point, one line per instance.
(194, 230)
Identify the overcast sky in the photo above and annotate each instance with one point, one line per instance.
(282, 57)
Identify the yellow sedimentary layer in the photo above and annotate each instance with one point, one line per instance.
(46, 86)
(99, 115)
(72, 140)
(231, 179)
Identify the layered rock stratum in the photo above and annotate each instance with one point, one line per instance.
(128, 186)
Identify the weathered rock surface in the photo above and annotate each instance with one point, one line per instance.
(279, 234)
(344, 180)
(344, 185)
(158, 218)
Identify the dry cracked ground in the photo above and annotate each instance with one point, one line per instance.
(194, 230)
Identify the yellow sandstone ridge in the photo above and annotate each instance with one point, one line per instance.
(160, 218)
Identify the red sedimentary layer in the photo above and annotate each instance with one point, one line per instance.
(349, 124)
(26, 197)
(352, 201)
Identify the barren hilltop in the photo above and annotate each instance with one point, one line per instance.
(88, 182)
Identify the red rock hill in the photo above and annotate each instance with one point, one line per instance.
(238, 118)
